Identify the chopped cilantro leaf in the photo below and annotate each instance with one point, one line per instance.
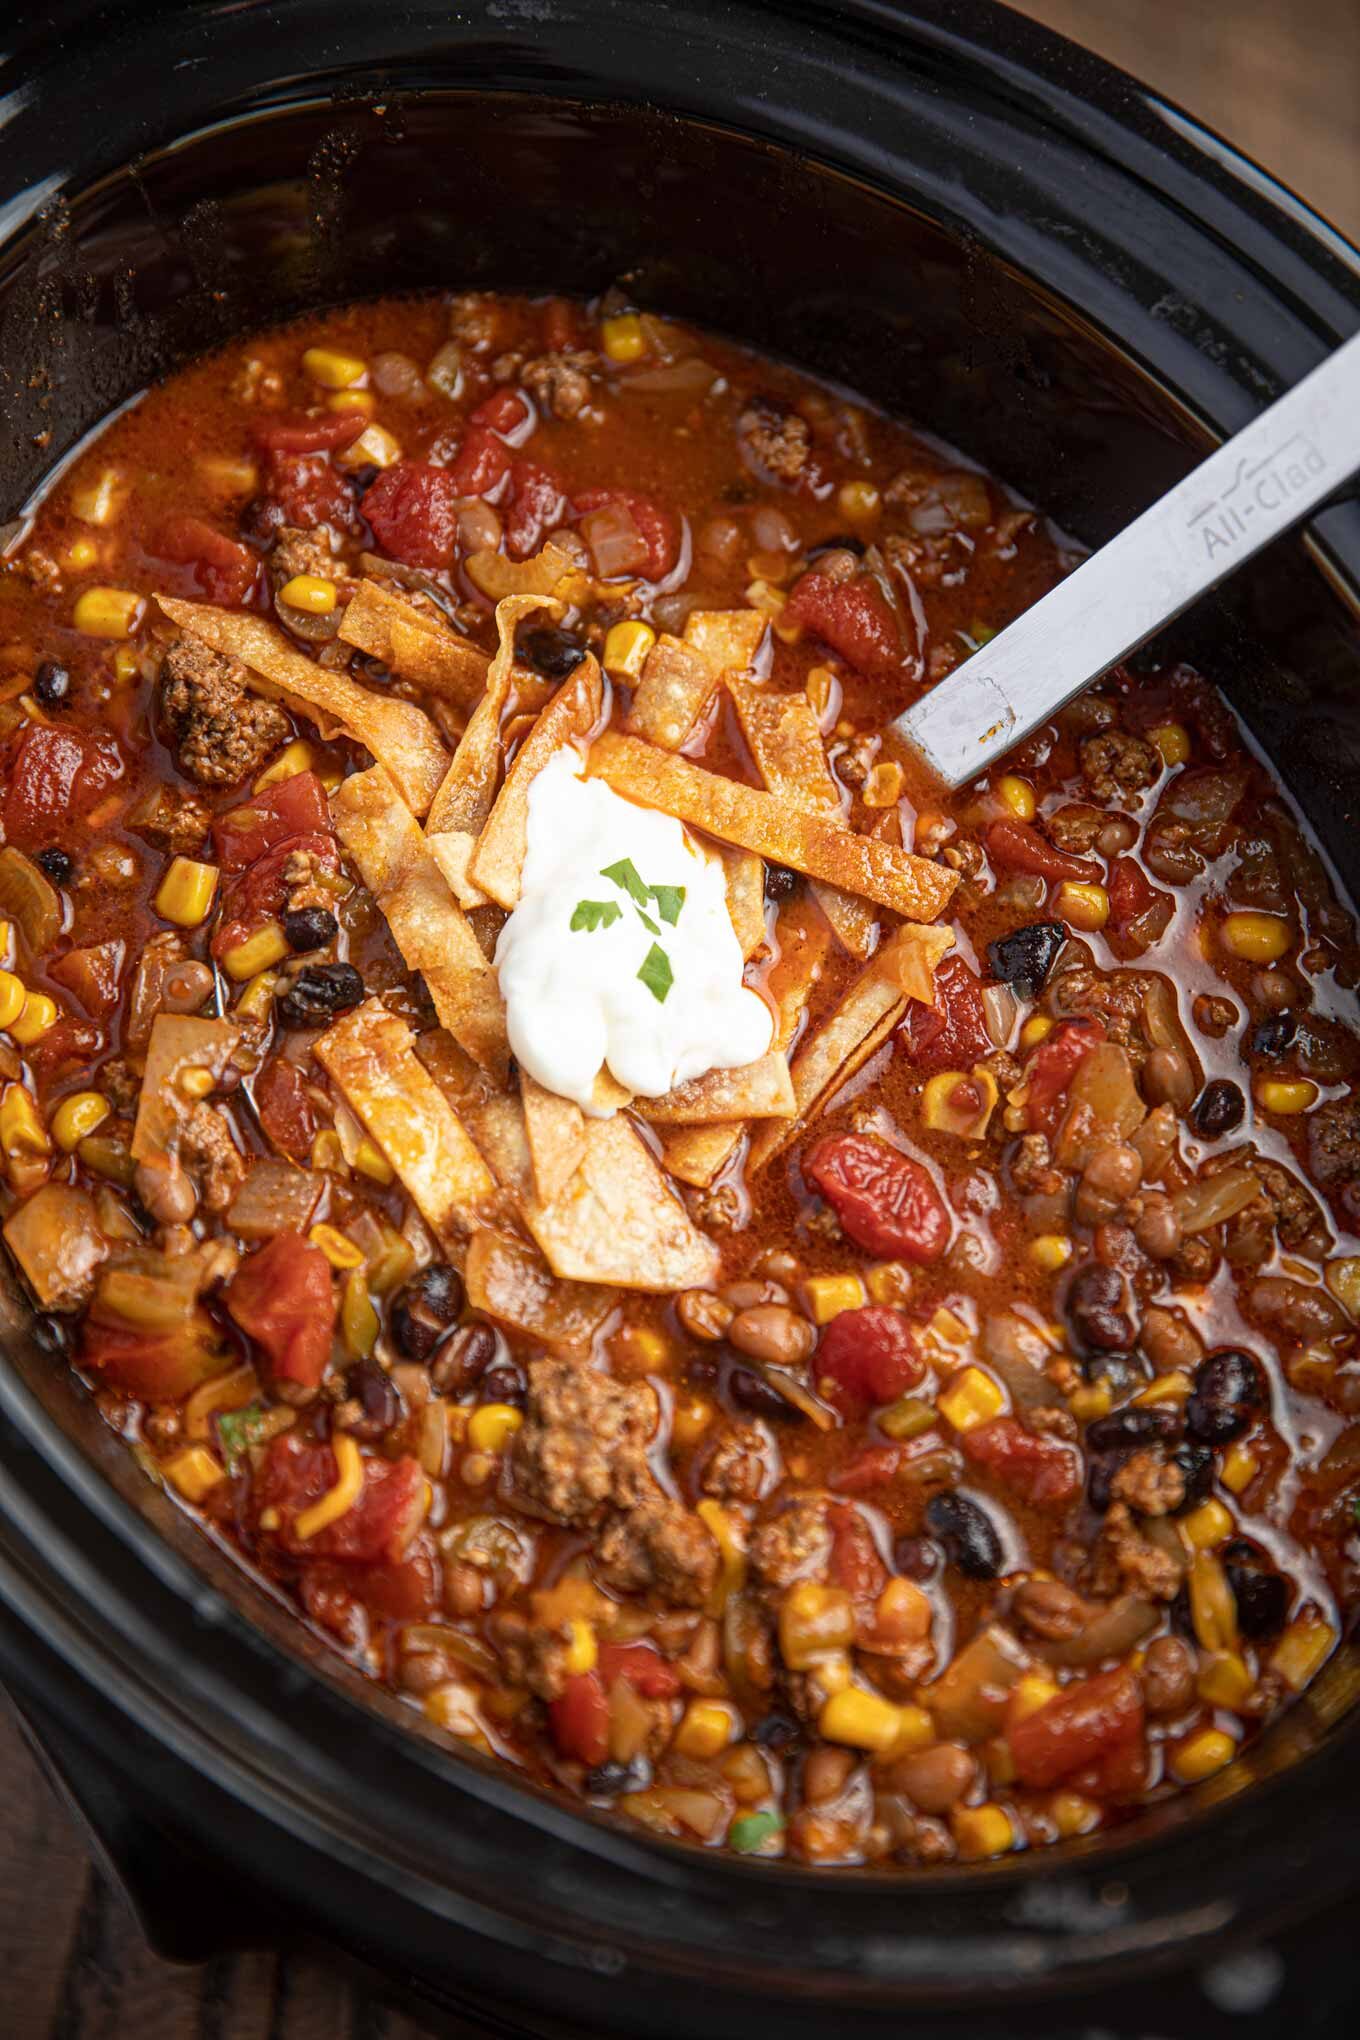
(656, 973)
(624, 876)
(237, 1431)
(648, 923)
(669, 900)
(593, 914)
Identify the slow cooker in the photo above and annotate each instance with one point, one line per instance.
(973, 223)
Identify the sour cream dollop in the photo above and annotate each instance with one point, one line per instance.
(621, 952)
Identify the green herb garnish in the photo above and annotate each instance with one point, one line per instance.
(669, 900)
(593, 914)
(750, 1832)
(624, 876)
(237, 1431)
(656, 973)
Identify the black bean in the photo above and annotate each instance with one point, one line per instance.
(1136, 1425)
(1100, 1472)
(367, 668)
(261, 518)
(775, 1732)
(505, 1384)
(1273, 1035)
(364, 477)
(51, 683)
(375, 1389)
(1182, 1621)
(1024, 958)
(58, 864)
(967, 1534)
(1262, 1600)
(752, 1392)
(780, 882)
(608, 1780)
(1227, 1389)
(1122, 1373)
(463, 1362)
(1098, 1306)
(1196, 1462)
(841, 544)
(1219, 1107)
(425, 1307)
(319, 992)
(554, 653)
(310, 928)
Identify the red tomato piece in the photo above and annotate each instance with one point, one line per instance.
(309, 491)
(561, 325)
(295, 807)
(644, 1668)
(872, 1468)
(378, 1526)
(285, 1107)
(537, 503)
(56, 777)
(412, 511)
(91, 975)
(223, 570)
(292, 432)
(951, 1034)
(579, 1719)
(871, 1354)
(393, 1589)
(480, 464)
(885, 1202)
(657, 527)
(1081, 1725)
(1051, 1068)
(1140, 912)
(505, 411)
(155, 1366)
(854, 618)
(1042, 1471)
(282, 1297)
(70, 1044)
(1018, 846)
(855, 1565)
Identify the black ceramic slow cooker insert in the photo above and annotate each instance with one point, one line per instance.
(972, 223)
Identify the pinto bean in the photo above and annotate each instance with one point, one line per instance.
(1049, 1609)
(937, 1778)
(1168, 1677)
(1109, 1179)
(772, 1332)
(1157, 1228)
(826, 1773)
(1292, 1310)
(1170, 1342)
(703, 1315)
(166, 1191)
(1168, 1078)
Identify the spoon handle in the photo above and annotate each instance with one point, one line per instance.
(1254, 487)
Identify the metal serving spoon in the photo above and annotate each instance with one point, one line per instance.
(1266, 478)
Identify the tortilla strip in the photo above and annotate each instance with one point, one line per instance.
(745, 875)
(556, 1131)
(759, 1090)
(178, 1042)
(728, 638)
(411, 642)
(453, 851)
(542, 574)
(573, 712)
(508, 1280)
(681, 675)
(785, 739)
(400, 735)
(903, 969)
(765, 822)
(467, 791)
(428, 926)
(371, 1055)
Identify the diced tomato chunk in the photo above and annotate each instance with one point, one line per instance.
(872, 1468)
(854, 618)
(1018, 846)
(537, 503)
(644, 1668)
(658, 529)
(377, 1527)
(294, 807)
(155, 1366)
(505, 411)
(291, 432)
(71, 1044)
(1051, 1068)
(284, 1105)
(56, 776)
(951, 1034)
(92, 975)
(480, 464)
(885, 1201)
(1083, 1724)
(224, 571)
(411, 509)
(871, 1354)
(309, 491)
(1040, 1470)
(579, 1719)
(393, 1590)
(283, 1298)
(1140, 912)
(855, 1565)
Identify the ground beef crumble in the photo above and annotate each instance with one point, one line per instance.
(583, 1445)
(220, 731)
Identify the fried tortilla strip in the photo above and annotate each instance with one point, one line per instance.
(556, 1132)
(467, 792)
(400, 735)
(785, 739)
(178, 1042)
(452, 850)
(681, 675)
(903, 969)
(498, 860)
(766, 823)
(413, 643)
(510, 1281)
(548, 572)
(370, 1054)
(760, 1090)
(698, 1154)
(745, 875)
(428, 926)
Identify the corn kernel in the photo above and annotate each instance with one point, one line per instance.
(6, 941)
(1036, 1029)
(829, 1295)
(690, 1418)
(1173, 741)
(1073, 1815)
(258, 996)
(915, 1730)
(641, 1349)
(338, 1248)
(194, 1472)
(327, 1154)
(1256, 938)
(375, 447)
(76, 1116)
(1050, 1251)
(13, 992)
(1017, 795)
(358, 1319)
(908, 1417)
(1029, 1694)
(81, 554)
(883, 786)
(126, 663)
(97, 503)
(623, 338)
(1167, 1388)
(860, 502)
(831, 1674)
(186, 892)
(729, 1534)
(1083, 906)
(232, 477)
(268, 945)
(863, 1721)
(960, 1104)
(1213, 1611)
(972, 1398)
(107, 612)
(982, 1831)
(370, 1161)
(195, 1082)
(824, 692)
(39, 1015)
(21, 1129)
(1091, 1402)
(583, 1649)
(492, 1425)
(998, 1761)
(1224, 1679)
(353, 400)
(333, 370)
(1342, 1276)
(1208, 1525)
(889, 1282)
(626, 648)
(706, 1727)
(1201, 1755)
(813, 1621)
(308, 592)
(1286, 1095)
(1303, 1650)
(1240, 1467)
(292, 759)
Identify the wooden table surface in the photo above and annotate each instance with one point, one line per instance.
(1279, 80)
